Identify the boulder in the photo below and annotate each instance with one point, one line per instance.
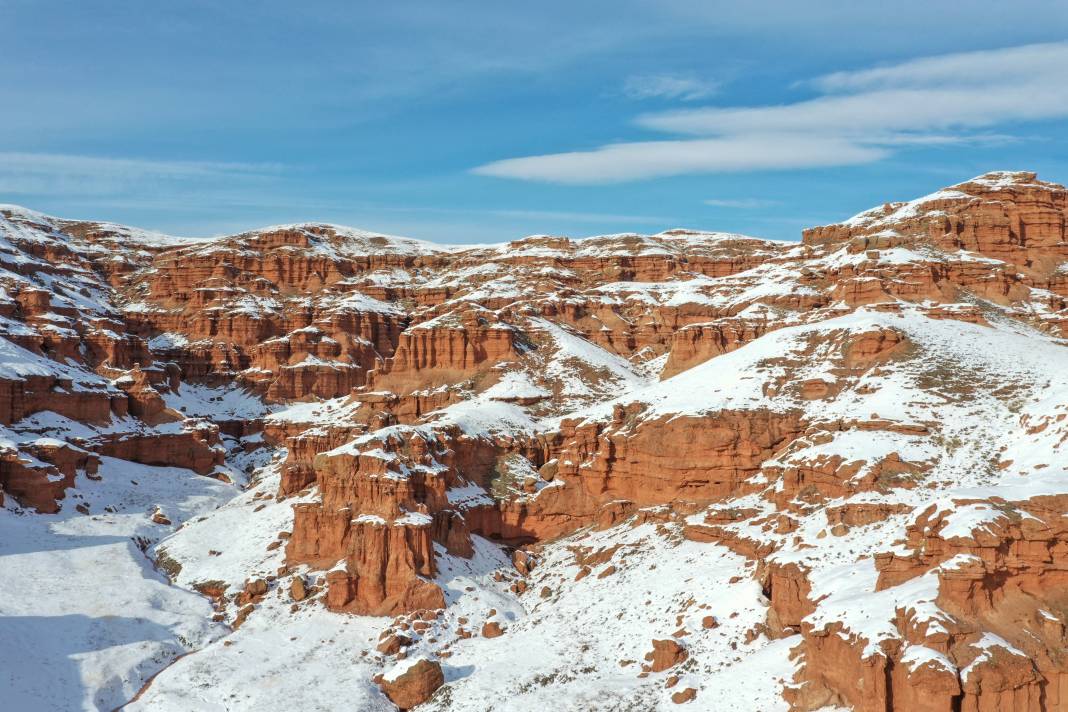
(665, 654)
(492, 629)
(412, 683)
(683, 696)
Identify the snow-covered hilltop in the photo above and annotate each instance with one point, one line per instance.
(310, 465)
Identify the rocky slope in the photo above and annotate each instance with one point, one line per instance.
(626, 472)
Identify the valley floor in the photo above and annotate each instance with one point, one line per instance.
(579, 644)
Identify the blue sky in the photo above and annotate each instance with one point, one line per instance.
(485, 121)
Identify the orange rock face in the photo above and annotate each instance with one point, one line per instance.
(651, 461)
(446, 350)
(1012, 217)
(698, 343)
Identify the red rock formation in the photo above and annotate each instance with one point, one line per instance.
(650, 461)
(401, 330)
(38, 474)
(1007, 216)
(388, 567)
(196, 449)
(698, 343)
(381, 510)
(447, 350)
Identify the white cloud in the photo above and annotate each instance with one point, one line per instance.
(860, 117)
(668, 86)
(874, 115)
(649, 159)
(983, 68)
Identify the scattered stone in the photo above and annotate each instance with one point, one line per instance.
(523, 561)
(242, 616)
(683, 696)
(256, 587)
(393, 644)
(665, 654)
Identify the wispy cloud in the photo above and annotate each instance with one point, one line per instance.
(24, 173)
(859, 117)
(741, 204)
(982, 68)
(682, 87)
(620, 162)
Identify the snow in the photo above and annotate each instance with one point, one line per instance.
(963, 520)
(573, 642)
(903, 211)
(571, 349)
(217, 404)
(985, 644)
(316, 413)
(485, 416)
(401, 667)
(166, 340)
(917, 656)
(866, 447)
(311, 655)
(311, 660)
(363, 303)
(17, 363)
(241, 552)
(1008, 179)
(514, 385)
(847, 595)
(468, 496)
(101, 620)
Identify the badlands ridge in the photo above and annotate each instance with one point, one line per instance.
(311, 467)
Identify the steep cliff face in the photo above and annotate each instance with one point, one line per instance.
(75, 384)
(696, 465)
(1012, 217)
